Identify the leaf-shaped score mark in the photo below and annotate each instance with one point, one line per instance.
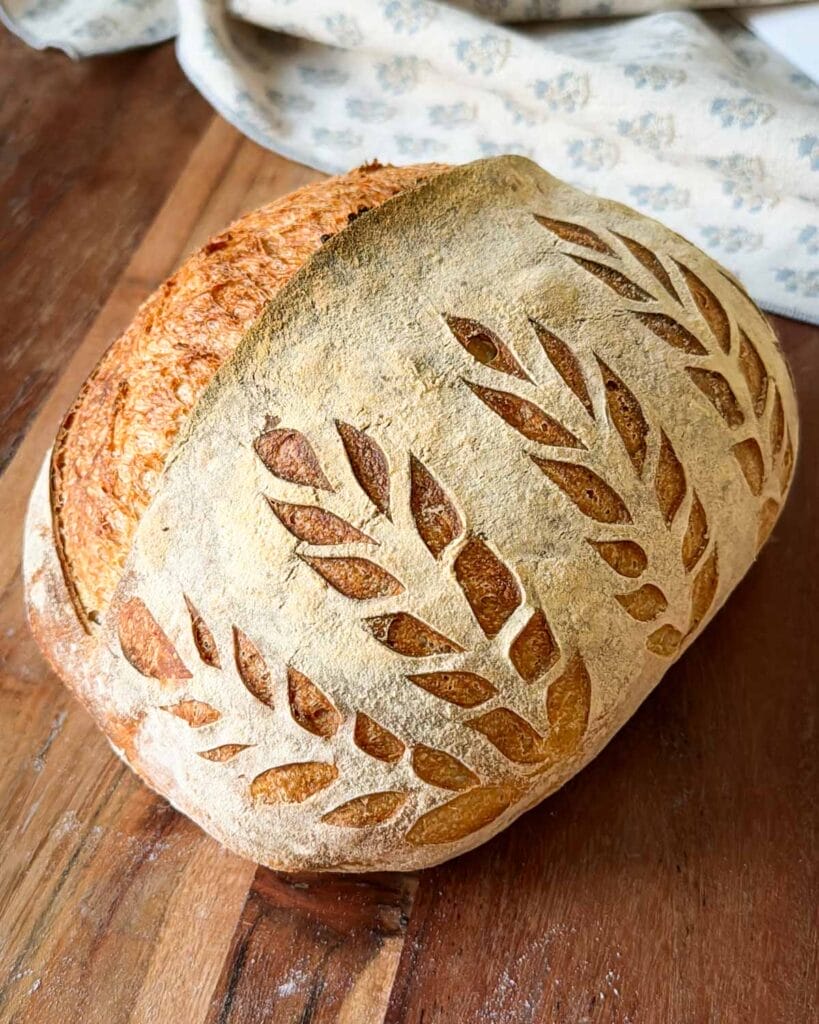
(650, 261)
(626, 415)
(202, 637)
(568, 704)
(566, 364)
(123, 732)
(534, 650)
(624, 556)
(376, 741)
(485, 346)
(709, 306)
(357, 578)
(465, 689)
(672, 333)
(145, 645)
(575, 233)
(438, 768)
(703, 590)
(664, 641)
(406, 635)
(195, 712)
(252, 668)
(316, 526)
(749, 457)
(754, 372)
(644, 604)
(695, 540)
(292, 783)
(719, 393)
(767, 517)
(224, 753)
(592, 495)
(309, 707)
(613, 279)
(513, 736)
(366, 811)
(464, 814)
(369, 465)
(786, 468)
(489, 587)
(288, 455)
(436, 518)
(525, 417)
(777, 423)
(669, 481)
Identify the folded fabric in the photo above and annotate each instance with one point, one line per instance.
(685, 116)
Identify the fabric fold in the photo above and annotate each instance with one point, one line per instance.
(685, 116)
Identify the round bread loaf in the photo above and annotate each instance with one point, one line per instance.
(491, 457)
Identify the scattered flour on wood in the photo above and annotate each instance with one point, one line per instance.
(56, 727)
(295, 979)
(32, 810)
(67, 825)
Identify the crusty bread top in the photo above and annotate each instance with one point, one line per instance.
(112, 444)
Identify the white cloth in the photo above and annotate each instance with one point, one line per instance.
(685, 116)
(792, 30)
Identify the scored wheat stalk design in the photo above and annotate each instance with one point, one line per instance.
(713, 384)
(585, 486)
(492, 592)
(493, 595)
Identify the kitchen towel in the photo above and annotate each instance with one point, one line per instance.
(684, 115)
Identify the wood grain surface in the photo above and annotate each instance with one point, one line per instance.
(674, 880)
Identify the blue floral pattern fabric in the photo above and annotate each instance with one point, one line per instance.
(683, 115)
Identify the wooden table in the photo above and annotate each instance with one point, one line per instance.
(673, 882)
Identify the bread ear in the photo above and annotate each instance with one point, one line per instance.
(115, 438)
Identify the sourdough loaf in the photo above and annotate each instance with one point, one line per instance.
(478, 474)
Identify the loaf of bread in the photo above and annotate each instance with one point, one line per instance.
(392, 505)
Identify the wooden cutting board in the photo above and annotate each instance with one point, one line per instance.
(673, 881)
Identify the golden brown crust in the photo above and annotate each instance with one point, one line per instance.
(112, 445)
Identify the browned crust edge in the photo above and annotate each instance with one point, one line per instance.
(394, 181)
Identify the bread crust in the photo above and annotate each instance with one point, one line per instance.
(338, 646)
(112, 444)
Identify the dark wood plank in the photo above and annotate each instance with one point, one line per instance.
(90, 150)
(314, 949)
(675, 878)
